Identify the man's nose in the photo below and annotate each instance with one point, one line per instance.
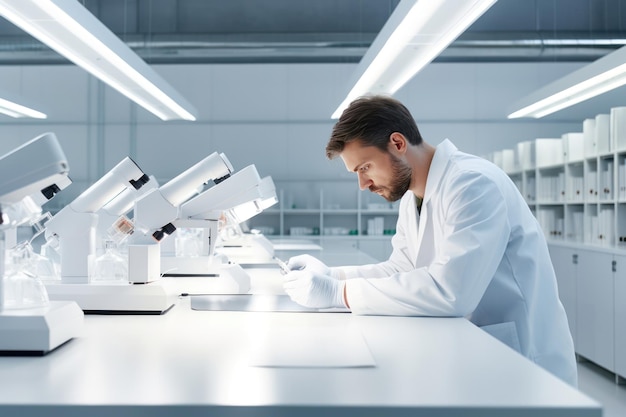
(364, 181)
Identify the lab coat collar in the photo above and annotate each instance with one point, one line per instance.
(443, 153)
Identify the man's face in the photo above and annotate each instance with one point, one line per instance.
(381, 172)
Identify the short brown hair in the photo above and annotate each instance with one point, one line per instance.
(372, 120)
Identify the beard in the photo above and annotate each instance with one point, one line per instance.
(402, 175)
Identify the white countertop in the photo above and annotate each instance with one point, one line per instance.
(192, 363)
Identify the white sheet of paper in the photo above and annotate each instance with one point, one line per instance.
(312, 347)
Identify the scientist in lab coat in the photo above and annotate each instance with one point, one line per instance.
(466, 243)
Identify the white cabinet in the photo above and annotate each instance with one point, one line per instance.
(565, 260)
(590, 288)
(620, 314)
(595, 308)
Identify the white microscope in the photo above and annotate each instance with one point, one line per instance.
(30, 324)
(238, 198)
(156, 210)
(73, 229)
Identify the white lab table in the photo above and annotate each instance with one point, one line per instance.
(197, 363)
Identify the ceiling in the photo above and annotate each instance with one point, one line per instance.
(316, 31)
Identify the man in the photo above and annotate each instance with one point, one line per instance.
(466, 245)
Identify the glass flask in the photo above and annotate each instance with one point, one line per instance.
(22, 287)
(110, 266)
(35, 264)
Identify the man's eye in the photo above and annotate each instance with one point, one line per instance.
(365, 168)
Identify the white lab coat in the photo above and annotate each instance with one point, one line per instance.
(476, 251)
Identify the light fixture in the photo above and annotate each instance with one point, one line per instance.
(415, 34)
(605, 74)
(11, 108)
(68, 28)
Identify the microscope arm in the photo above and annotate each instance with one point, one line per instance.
(114, 211)
(125, 200)
(243, 194)
(155, 211)
(215, 167)
(75, 225)
(124, 175)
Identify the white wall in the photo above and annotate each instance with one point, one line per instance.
(273, 115)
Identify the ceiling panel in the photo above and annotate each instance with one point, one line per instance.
(285, 31)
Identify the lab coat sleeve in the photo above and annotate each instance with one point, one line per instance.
(471, 231)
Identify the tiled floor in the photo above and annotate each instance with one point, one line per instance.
(600, 385)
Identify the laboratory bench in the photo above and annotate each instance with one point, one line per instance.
(190, 362)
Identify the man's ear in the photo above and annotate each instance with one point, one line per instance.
(397, 143)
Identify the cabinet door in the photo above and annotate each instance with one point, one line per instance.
(620, 315)
(563, 260)
(595, 313)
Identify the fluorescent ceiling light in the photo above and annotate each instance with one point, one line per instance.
(415, 34)
(68, 28)
(605, 74)
(10, 108)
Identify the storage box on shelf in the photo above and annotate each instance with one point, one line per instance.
(573, 147)
(602, 134)
(617, 128)
(519, 164)
(580, 202)
(589, 138)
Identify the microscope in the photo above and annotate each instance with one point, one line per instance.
(74, 226)
(30, 323)
(236, 199)
(73, 230)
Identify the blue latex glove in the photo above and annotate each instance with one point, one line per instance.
(314, 290)
(308, 263)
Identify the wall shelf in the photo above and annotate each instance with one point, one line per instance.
(330, 210)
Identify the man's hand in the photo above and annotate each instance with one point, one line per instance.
(312, 289)
(308, 263)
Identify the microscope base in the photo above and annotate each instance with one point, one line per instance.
(37, 331)
(197, 266)
(222, 279)
(116, 298)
